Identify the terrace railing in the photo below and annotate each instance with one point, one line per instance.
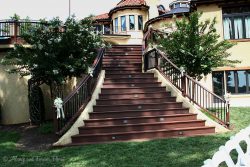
(14, 29)
(212, 104)
(76, 101)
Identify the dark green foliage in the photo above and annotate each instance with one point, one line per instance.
(195, 45)
(57, 50)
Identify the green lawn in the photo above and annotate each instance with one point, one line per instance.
(181, 152)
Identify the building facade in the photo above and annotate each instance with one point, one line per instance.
(233, 24)
(129, 19)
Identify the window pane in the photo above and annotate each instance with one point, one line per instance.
(131, 22)
(247, 23)
(228, 31)
(230, 82)
(98, 29)
(106, 29)
(123, 23)
(242, 83)
(116, 24)
(177, 5)
(238, 28)
(140, 22)
(218, 83)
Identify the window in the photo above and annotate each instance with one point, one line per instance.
(116, 25)
(132, 22)
(177, 5)
(140, 22)
(123, 23)
(236, 22)
(237, 82)
(230, 82)
(218, 83)
(98, 29)
(106, 29)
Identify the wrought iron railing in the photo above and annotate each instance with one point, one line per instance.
(76, 101)
(15, 28)
(214, 105)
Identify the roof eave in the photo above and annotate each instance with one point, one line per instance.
(142, 7)
(161, 17)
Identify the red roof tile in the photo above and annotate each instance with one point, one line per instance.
(102, 16)
(130, 3)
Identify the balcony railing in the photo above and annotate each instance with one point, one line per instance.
(12, 30)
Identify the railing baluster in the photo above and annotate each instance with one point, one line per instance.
(208, 101)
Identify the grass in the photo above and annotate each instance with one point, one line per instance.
(177, 152)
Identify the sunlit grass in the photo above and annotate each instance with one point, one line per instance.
(176, 152)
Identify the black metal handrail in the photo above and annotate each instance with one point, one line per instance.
(208, 101)
(76, 101)
(16, 28)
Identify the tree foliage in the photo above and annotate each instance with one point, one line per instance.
(196, 46)
(57, 50)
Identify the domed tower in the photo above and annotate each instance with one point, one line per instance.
(179, 4)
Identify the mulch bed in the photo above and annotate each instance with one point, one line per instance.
(31, 139)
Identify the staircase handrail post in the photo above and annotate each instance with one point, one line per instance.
(156, 59)
(15, 30)
(183, 85)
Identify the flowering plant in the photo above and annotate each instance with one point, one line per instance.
(58, 50)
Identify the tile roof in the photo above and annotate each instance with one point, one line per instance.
(131, 3)
(102, 16)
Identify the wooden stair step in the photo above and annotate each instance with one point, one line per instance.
(134, 96)
(130, 52)
(136, 113)
(141, 119)
(119, 61)
(131, 85)
(122, 65)
(139, 107)
(123, 55)
(149, 134)
(137, 101)
(130, 79)
(129, 75)
(140, 127)
(132, 90)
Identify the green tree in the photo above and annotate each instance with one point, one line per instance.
(56, 51)
(196, 46)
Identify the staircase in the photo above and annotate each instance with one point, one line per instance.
(134, 106)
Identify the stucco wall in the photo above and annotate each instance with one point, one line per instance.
(161, 24)
(13, 97)
(241, 50)
(238, 52)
